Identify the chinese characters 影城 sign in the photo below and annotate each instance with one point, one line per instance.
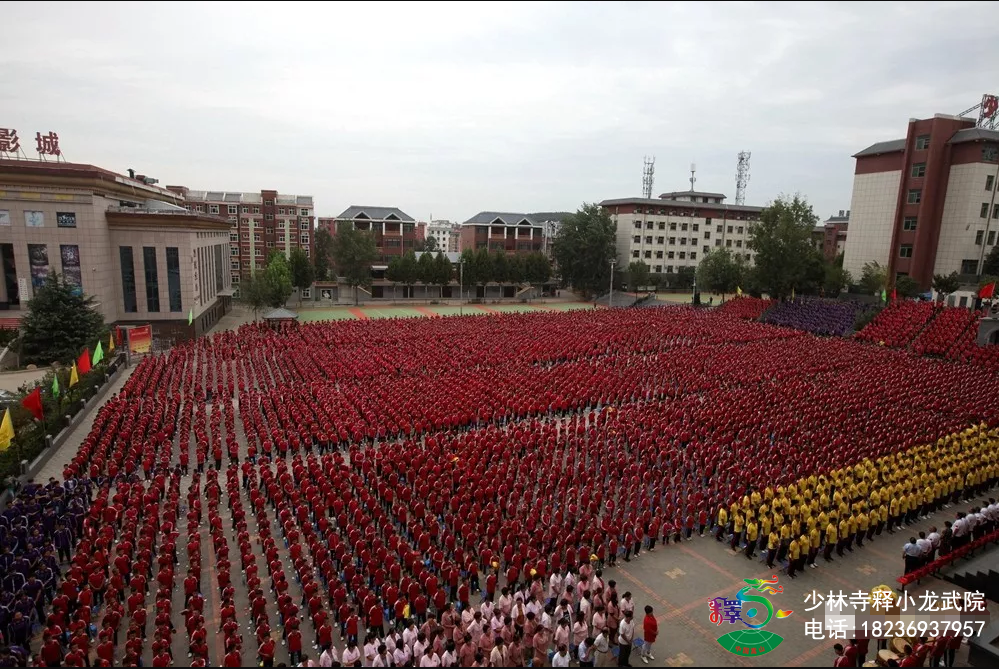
(45, 145)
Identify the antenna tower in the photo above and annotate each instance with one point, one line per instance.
(693, 179)
(648, 177)
(742, 177)
(988, 112)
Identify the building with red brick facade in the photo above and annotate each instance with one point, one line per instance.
(498, 231)
(395, 231)
(926, 204)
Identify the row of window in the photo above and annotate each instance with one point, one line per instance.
(695, 227)
(980, 235)
(151, 272)
(984, 213)
(652, 211)
(233, 209)
(36, 219)
(658, 269)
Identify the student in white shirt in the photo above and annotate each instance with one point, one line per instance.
(351, 655)
(370, 650)
(561, 658)
(328, 657)
(625, 637)
(382, 658)
(555, 588)
(430, 659)
(400, 656)
(450, 657)
(602, 646)
(587, 652)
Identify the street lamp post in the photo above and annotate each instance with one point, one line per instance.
(461, 287)
(610, 300)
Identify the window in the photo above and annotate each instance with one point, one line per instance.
(258, 253)
(638, 225)
(269, 231)
(918, 171)
(233, 209)
(305, 226)
(660, 240)
(915, 196)
(909, 223)
(905, 251)
(305, 237)
(662, 225)
(992, 237)
(270, 245)
(659, 269)
(683, 255)
(738, 243)
(995, 211)
(256, 210)
(669, 269)
(235, 278)
(128, 279)
(683, 227)
(728, 242)
(705, 249)
(648, 225)
(306, 293)
(672, 240)
(707, 234)
(233, 251)
(256, 236)
(979, 236)
(693, 255)
(152, 279)
(234, 265)
(683, 241)
(634, 254)
(922, 142)
(200, 208)
(233, 237)
(989, 182)
(671, 255)
(985, 210)
(730, 229)
(717, 242)
(990, 154)
(648, 254)
(648, 240)
(696, 227)
(639, 210)
(969, 267)
(173, 277)
(213, 209)
(244, 210)
(638, 239)
(268, 217)
(739, 230)
(65, 219)
(672, 227)
(269, 203)
(718, 229)
(281, 211)
(303, 212)
(659, 254)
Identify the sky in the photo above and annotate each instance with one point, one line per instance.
(449, 109)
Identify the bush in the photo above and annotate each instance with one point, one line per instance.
(865, 317)
(7, 335)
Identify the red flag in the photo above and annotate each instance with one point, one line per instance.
(33, 403)
(83, 362)
(894, 295)
(117, 335)
(988, 292)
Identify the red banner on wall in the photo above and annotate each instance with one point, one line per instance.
(140, 339)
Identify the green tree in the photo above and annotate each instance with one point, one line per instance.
(322, 256)
(720, 271)
(430, 245)
(874, 278)
(443, 272)
(353, 253)
(991, 264)
(516, 269)
(537, 269)
(394, 273)
(426, 269)
(303, 274)
(685, 278)
(59, 323)
(277, 278)
(253, 292)
(500, 267)
(836, 279)
(638, 275)
(409, 271)
(906, 286)
(583, 249)
(945, 284)
(782, 239)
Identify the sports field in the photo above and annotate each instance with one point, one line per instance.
(433, 311)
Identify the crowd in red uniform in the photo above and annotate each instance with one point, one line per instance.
(401, 465)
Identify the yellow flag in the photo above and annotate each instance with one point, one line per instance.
(738, 291)
(792, 293)
(110, 342)
(6, 431)
(74, 377)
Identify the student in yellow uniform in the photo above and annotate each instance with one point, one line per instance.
(722, 523)
(773, 541)
(793, 555)
(814, 542)
(751, 538)
(737, 527)
(832, 536)
(843, 530)
(863, 527)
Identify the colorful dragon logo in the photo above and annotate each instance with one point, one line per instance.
(750, 641)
